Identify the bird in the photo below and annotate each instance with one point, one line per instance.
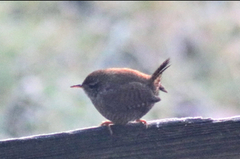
(123, 95)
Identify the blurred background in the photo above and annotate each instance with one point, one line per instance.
(45, 47)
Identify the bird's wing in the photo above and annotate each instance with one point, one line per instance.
(129, 96)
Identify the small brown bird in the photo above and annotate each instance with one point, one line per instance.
(121, 94)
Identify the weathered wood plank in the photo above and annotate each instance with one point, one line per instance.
(185, 138)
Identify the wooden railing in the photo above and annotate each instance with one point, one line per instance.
(183, 138)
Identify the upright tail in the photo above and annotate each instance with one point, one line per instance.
(157, 74)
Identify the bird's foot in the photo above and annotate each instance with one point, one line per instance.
(108, 124)
(144, 122)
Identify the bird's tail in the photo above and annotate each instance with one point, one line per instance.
(157, 74)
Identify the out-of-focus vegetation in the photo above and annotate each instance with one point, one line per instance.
(45, 47)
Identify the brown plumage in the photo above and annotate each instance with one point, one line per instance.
(121, 94)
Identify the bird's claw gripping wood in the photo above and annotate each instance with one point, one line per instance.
(108, 124)
(144, 122)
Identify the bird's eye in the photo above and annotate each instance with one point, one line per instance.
(93, 85)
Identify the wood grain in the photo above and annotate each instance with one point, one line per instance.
(182, 138)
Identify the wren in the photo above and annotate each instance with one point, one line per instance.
(122, 95)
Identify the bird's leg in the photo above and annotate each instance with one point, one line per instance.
(144, 122)
(108, 124)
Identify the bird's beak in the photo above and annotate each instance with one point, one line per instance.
(77, 86)
(162, 89)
